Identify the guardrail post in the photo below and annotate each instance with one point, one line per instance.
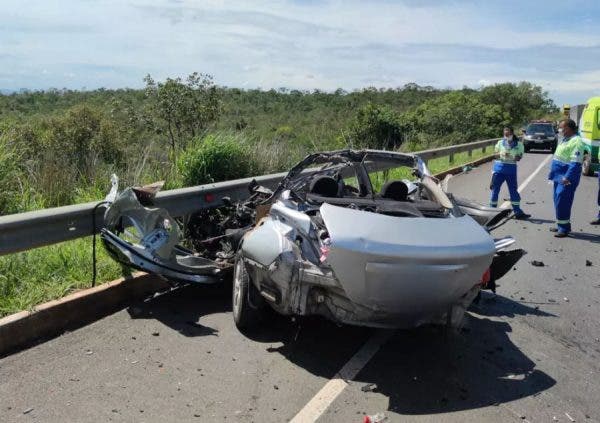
(451, 158)
(470, 153)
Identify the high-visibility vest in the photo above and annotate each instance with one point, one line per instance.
(507, 152)
(567, 159)
(569, 150)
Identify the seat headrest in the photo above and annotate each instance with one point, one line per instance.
(394, 190)
(324, 186)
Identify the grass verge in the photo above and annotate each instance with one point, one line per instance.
(36, 276)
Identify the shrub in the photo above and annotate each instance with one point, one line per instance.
(376, 127)
(214, 158)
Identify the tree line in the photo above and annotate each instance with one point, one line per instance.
(59, 147)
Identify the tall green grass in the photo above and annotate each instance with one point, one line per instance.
(35, 276)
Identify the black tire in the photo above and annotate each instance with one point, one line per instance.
(526, 148)
(245, 314)
(586, 166)
(553, 148)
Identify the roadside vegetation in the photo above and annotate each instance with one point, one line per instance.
(59, 147)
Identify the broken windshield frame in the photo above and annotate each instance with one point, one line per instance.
(334, 161)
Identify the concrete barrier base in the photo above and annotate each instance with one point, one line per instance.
(45, 321)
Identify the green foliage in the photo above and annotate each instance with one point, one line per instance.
(182, 110)
(454, 118)
(65, 144)
(376, 127)
(214, 158)
(47, 273)
(522, 102)
(284, 133)
(13, 188)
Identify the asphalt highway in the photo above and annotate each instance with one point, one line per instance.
(530, 353)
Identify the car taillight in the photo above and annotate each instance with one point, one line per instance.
(324, 253)
(325, 247)
(486, 277)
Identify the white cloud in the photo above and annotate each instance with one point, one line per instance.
(321, 44)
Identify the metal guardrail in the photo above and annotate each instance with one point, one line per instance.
(435, 153)
(24, 231)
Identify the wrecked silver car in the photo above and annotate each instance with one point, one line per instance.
(350, 237)
(359, 237)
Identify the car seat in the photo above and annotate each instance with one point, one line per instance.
(324, 186)
(394, 190)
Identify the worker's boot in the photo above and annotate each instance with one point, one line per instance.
(521, 215)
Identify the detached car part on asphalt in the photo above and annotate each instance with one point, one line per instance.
(359, 237)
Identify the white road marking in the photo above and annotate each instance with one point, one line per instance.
(323, 399)
(529, 179)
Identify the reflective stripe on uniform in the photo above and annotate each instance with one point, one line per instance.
(563, 222)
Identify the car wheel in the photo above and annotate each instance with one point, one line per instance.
(245, 314)
(586, 166)
(526, 149)
(553, 148)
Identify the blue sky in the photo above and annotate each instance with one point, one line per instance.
(304, 44)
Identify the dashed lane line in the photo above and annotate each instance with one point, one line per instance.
(323, 399)
(529, 179)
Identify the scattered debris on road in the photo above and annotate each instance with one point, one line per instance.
(537, 263)
(588, 263)
(569, 417)
(29, 410)
(155, 333)
(370, 387)
(566, 299)
(375, 418)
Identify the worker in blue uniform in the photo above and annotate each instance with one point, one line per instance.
(509, 151)
(565, 172)
(596, 221)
